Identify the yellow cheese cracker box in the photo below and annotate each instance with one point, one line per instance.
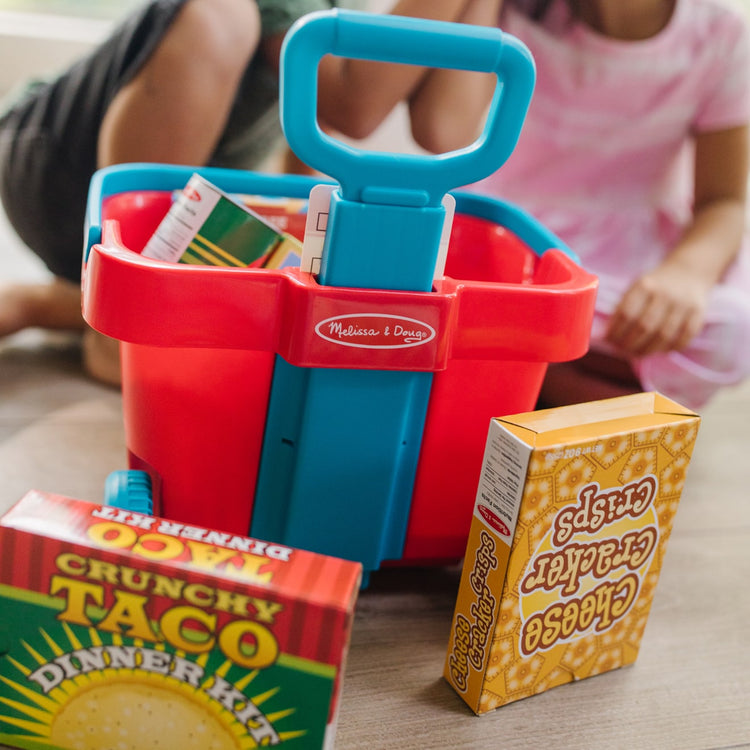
(121, 631)
(571, 520)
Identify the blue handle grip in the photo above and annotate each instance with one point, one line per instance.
(402, 178)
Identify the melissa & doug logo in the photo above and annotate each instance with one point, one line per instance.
(375, 331)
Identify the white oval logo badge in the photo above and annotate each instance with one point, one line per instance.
(375, 331)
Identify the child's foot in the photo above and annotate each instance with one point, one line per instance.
(56, 305)
(101, 357)
(53, 305)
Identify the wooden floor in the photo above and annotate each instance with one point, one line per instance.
(688, 690)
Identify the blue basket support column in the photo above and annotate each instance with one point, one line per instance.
(341, 446)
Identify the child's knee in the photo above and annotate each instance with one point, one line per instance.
(222, 33)
(715, 359)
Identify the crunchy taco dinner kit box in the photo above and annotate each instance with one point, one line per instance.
(121, 631)
(572, 515)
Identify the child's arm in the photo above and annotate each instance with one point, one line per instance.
(665, 308)
(450, 107)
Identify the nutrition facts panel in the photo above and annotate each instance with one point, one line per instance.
(501, 484)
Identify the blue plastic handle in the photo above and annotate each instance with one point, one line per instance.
(372, 176)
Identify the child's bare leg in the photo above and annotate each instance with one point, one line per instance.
(174, 111)
(595, 376)
(54, 305)
(101, 357)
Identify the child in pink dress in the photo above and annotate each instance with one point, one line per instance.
(635, 152)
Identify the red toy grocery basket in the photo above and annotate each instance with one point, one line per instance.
(344, 412)
(199, 343)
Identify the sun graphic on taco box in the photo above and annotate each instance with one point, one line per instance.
(118, 707)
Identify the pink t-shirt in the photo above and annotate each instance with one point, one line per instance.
(604, 156)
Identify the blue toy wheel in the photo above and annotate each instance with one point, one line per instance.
(129, 489)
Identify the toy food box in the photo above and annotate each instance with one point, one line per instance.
(205, 226)
(572, 515)
(121, 631)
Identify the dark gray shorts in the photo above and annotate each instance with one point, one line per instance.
(43, 196)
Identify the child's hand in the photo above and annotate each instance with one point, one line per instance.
(662, 311)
